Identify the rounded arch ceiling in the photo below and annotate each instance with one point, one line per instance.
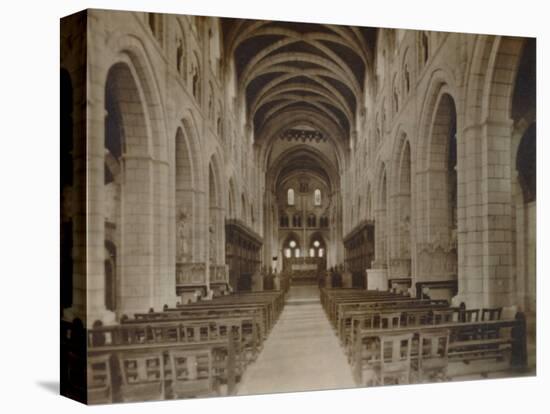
(302, 159)
(314, 69)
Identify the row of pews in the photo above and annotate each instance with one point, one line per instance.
(194, 350)
(392, 338)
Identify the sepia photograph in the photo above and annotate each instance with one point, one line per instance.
(264, 206)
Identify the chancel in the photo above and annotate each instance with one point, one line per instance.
(263, 206)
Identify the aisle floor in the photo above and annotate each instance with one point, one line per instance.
(302, 353)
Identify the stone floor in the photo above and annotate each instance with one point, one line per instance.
(302, 353)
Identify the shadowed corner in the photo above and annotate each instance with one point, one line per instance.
(50, 386)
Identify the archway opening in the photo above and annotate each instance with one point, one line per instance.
(438, 259)
(402, 261)
(126, 188)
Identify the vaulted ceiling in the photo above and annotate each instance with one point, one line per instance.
(312, 74)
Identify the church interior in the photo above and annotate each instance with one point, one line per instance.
(253, 206)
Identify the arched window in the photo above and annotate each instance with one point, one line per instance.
(283, 220)
(407, 79)
(317, 197)
(395, 95)
(292, 249)
(181, 61)
(290, 196)
(425, 47)
(155, 24)
(316, 248)
(196, 77)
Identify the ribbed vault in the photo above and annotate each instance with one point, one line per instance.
(317, 70)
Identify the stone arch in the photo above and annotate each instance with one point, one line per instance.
(442, 168)
(401, 206)
(185, 196)
(439, 104)
(501, 77)
(437, 189)
(128, 177)
(132, 51)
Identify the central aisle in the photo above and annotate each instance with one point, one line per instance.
(302, 353)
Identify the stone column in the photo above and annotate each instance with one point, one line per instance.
(95, 231)
(484, 217)
(497, 215)
(164, 276)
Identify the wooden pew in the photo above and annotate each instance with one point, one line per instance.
(212, 326)
(100, 385)
(221, 335)
(410, 315)
(123, 342)
(345, 311)
(334, 299)
(269, 303)
(510, 341)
